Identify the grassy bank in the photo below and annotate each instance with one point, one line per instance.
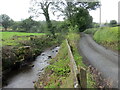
(108, 36)
(58, 73)
(29, 46)
(73, 39)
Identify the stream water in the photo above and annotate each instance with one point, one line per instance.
(25, 77)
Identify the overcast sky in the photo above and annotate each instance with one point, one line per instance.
(18, 10)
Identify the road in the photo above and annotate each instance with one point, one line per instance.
(106, 61)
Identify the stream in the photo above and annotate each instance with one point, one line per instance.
(25, 77)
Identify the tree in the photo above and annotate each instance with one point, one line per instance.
(6, 21)
(113, 23)
(16, 26)
(95, 25)
(78, 13)
(81, 18)
(27, 24)
(42, 7)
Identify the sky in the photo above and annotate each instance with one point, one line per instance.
(18, 10)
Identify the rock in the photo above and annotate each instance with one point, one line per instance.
(34, 81)
(32, 65)
(43, 54)
(52, 51)
(27, 47)
(49, 57)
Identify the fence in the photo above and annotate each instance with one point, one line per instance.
(79, 75)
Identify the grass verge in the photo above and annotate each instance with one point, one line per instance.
(108, 36)
(73, 40)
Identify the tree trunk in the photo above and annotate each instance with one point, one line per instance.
(5, 29)
(49, 24)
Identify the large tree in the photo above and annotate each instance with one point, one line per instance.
(78, 12)
(6, 21)
(42, 7)
(71, 10)
(113, 23)
(27, 24)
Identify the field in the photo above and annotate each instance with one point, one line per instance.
(13, 38)
(108, 36)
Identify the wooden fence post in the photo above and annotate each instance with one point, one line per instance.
(83, 78)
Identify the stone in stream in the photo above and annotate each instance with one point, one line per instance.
(43, 54)
(52, 51)
(34, 81)
(49, 57)
(32, 65)
(56, 50)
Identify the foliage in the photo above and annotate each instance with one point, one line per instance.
(6, 21)
(29, 25)
(16, 26)
(113, 23)
(77, 13)
(95, 25)
(108, 36)
(73, 29)
(91, 30)
(82, 19)
(42, 7)
(61, 26)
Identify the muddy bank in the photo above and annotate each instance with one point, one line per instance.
(27, 76)
(15, 57)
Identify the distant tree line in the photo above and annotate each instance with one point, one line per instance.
(30, 25)
(76, 14)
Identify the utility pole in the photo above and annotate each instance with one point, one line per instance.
(100, 13)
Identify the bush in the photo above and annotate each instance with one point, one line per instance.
(113, 23)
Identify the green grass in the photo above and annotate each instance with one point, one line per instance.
(59, 66)
(13, 38)
(108, 36)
